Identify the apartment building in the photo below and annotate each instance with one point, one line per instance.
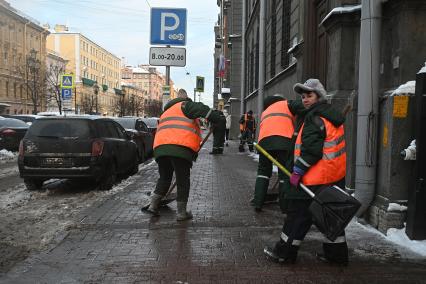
(97, 71)
(22, 57)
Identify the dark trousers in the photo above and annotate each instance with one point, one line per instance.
(182, 168)
(264, 172)
(296, 226)
(227, 134)
(247, 136)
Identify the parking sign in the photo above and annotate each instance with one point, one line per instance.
(66, 94)
(168, 26)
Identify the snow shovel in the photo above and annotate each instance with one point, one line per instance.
(333, 208)
(169, 197)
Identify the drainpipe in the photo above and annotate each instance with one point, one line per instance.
(368, 103)
(243, 57)
(262, 20)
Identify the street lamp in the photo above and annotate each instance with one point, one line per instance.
(96, 91)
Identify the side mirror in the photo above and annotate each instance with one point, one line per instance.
(130, 134)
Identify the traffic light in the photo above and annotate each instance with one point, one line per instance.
(200, 84)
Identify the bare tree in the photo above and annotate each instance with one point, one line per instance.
(120, 106)
(153, 108)
(88, 104)
(53, 87)
(34, 79)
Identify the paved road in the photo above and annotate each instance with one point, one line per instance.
(116, 243)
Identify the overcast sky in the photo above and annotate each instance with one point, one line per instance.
(123, 28)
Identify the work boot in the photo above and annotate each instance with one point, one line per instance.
(182, 214)
(155, 204)
(334, 253)
(273, 255)
(282, 252)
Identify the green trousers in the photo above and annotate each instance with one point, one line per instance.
(264, 172)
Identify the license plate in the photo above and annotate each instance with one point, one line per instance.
(54, 161)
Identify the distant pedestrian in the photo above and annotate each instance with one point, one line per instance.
(228, 126)
(319, 159)
(248, 130)
(176, 145)
(275, 136)
(219, 135)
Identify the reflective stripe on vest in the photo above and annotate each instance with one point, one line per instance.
(176, 129)
(277, 120)
(332, 167)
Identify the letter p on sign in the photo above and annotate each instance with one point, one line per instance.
(168, 26)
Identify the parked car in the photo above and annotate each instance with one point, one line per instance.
(141, 135)
(152, 123)
(11, 132)
(95, 148)
(27, 118)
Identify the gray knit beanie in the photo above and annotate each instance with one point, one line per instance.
(311, 85)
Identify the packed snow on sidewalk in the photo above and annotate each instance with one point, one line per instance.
(398, 236)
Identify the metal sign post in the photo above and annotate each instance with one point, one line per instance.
(168, 27)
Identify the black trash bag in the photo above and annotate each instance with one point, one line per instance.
(332, 210)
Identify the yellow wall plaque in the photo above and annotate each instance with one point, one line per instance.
(400, 106)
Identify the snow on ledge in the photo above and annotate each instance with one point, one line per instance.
(423, 70)
(407, 88)
(395, 207)
(341, 10)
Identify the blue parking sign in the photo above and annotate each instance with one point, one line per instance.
(168, 26)
(66, 94)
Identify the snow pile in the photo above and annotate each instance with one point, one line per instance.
(423, 70)
(407, 88)
(6, 155)
(395, 207)
(341, 10)
(399, 237)
(254, 156)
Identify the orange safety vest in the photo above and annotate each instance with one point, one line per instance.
(332, 166)
(277, 120)
(175, 128)
(243, 126)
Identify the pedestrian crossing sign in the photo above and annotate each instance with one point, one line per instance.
(67, 81)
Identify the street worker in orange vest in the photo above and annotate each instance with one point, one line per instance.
(176, 145)
(319, 159)
(275, 136)
(248, 130)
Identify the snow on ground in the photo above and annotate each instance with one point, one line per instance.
(7, 156)
(398, 236)
(17, 195)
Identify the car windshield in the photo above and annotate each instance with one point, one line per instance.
(151, 122)
(10, 122)
(77, 128)
(126, 123)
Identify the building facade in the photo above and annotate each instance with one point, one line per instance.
(97, 71)
(360, 63)
(149, 79)
(228, 61)
(22, 68)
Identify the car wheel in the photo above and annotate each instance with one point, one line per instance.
(33, 184)
(108, 180)
(141, 155)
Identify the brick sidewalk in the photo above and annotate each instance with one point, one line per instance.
(116, 243)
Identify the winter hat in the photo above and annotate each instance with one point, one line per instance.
(250, 112)
(269, 100)
(311, 85)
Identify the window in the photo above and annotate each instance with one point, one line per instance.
(285, 58)
(7, 88)
(14, 89)
(273, 36)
